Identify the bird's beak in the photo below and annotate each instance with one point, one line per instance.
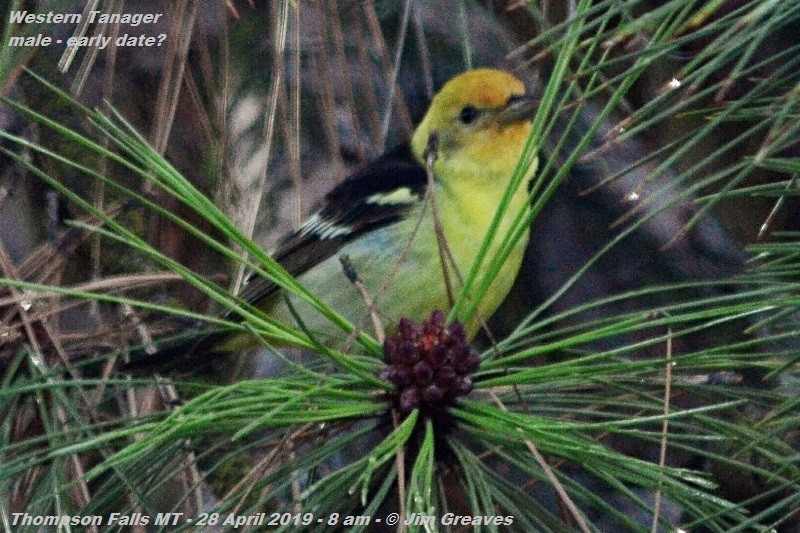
(518, 108)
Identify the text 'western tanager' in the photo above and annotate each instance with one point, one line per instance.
(378, 218)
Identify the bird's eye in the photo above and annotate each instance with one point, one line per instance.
(468, 115)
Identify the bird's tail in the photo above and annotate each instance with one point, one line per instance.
(193, 352)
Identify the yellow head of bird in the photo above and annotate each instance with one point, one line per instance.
(482, 118)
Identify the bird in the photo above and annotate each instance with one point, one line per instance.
(479, 122)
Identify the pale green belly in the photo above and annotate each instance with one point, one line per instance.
(413, 289)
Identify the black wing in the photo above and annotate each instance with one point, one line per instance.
(360, 204)
(375, 196)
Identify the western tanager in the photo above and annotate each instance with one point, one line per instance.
(481, 119)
